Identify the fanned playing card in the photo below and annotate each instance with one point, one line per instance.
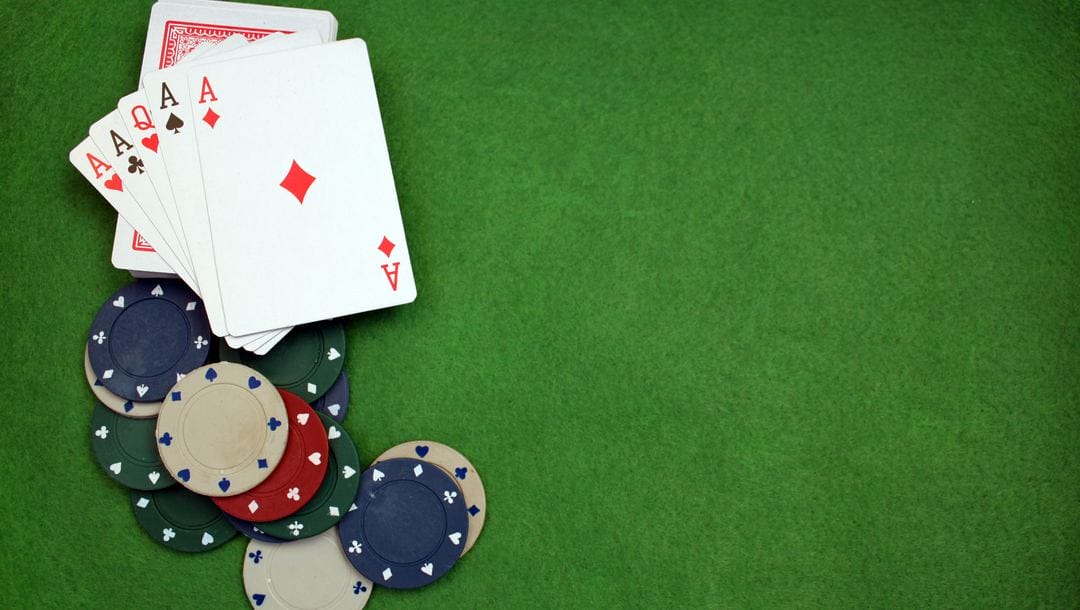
(299, 191)
(176, 115)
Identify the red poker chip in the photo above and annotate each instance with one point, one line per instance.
(296, 479)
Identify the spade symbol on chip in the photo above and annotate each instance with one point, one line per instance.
(174, 123)
(135, 164)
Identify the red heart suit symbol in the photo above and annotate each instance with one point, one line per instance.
(114, 183)
(151, 142)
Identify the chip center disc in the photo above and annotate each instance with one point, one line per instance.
(135, 437)
(144, 342)
(224, 426)
(288, 367)
(302, 577)
(185, 509)
(404, 523)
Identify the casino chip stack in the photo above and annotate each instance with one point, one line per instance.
(256, 445)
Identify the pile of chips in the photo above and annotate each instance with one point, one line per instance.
(255, 444)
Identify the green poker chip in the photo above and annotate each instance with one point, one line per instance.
(334, 497)
(307, 362)
(181, 520)
(126, 450)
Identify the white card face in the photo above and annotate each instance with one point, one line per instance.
(178, 27)
(133, 110)
(115, 144)
(133, 253)
(318, 184)
(175, 117)
(130, 251)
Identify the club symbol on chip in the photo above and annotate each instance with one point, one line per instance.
(358, 588)
(135, 165)
(99, 337)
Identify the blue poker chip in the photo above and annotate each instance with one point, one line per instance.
(409, 527)
(335, 402)
(146, 337)
(250, 530)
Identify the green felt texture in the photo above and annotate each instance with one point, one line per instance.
(733, 304)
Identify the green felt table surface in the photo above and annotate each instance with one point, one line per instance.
(732, 304)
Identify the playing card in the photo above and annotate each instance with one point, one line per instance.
(113, 141)
(294, 150)
(173, 114)
(133, 253)
(96, 168)
(178, 26)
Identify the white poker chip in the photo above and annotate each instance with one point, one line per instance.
(308, 573)
(222, 430)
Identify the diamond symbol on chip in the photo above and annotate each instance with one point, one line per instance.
(107, 374)
(190, 306)
(386, 247)
(211, 117)
(334, 512)
(419, 470)
(253, 506)
(312, 388)
(297, 182)
(386, 574)
(143, 502)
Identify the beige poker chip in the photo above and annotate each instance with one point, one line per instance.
(309, 573)
(123, 406)
(459, 468)
(222, 429)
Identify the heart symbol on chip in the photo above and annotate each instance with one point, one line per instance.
(253, 383)
(302, 418)
(421, 450)
(115, 468)
(151, 142)
(427, 568)
(119, 302)
(184, 475)
(142, 389)
(333, 433)
(455, 538)
(153, 476)
(211, 374)
(315, 458)
(207, 539)
(157, 291)
(224, 485)
(258, 598)
(334, 409)
(333, 354)
(114, 183)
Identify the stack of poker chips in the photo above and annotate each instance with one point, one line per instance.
(257, 445)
